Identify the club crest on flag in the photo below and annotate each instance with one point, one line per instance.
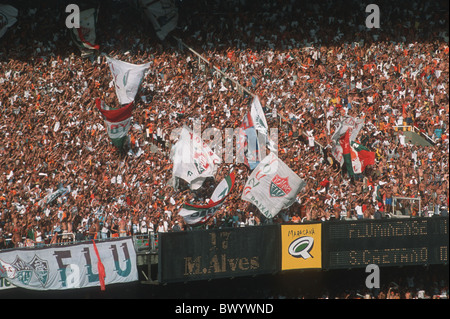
(201, 163)
(279, 186)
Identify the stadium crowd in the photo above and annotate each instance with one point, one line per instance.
(307, 68)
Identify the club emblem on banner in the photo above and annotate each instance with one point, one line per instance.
(23, 271)
(279, 187)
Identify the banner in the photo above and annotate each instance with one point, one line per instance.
(272, 186)
(199, 214)
(85, 36)
(301, 246)
(70, 266)
(8, 16)
(127, 78)
(163, 14)
(117, 121)
(193, 160)
(5, 284)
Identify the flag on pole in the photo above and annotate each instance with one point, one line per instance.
(163, 14)
(199, 214)
(254, 136)
(272, 186)
(248, 150)
(127, 78)
(8, 16)
(193, 160)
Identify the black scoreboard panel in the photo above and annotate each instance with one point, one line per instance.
(218, 253)
(387, 242)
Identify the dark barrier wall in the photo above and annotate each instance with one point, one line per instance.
(233, 252)
(389, 242)
(219, 253)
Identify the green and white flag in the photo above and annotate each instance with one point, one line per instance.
(127, 78)
(355, 156)
(85, 36)
(272, 186)
(350, 124)
(117, 120)
(260, 123)
(199, 214)
(193, 160)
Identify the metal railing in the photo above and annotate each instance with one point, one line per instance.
(400, 212)
(412, 128)
(146, 242)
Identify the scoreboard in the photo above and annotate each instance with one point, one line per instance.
(387, 242)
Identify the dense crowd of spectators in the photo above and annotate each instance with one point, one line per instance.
(308, 64)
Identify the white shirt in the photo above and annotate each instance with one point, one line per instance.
(358, 210)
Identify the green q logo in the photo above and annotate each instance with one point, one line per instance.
(301, 247)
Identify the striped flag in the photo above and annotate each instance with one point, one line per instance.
(199, 214)
(356, 156)
(117, 121)
(85, 36)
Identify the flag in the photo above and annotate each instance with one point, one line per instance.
(85, 36)
(248, 150)
(350, 124)
(272, 186)
(199, 214)
(47, 200)
(117, 120)
(8, 16)
(163, 15)
(260, 124)
(127, 78)
(356, 156)
(253, 136)
(193, 160)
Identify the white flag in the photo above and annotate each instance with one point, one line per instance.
(8, 16)
(261, 126)
(127, 78)
(193, 160)
(348, 123)
(272, 186)
(163, 15)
